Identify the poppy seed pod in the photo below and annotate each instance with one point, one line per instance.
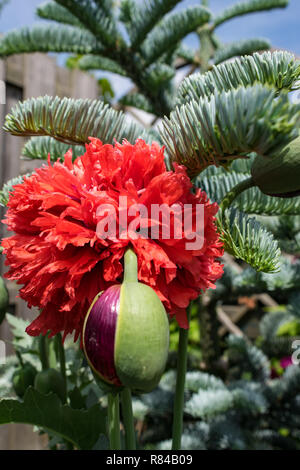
(279, 176)
(126, 333)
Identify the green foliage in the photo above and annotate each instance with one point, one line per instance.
(52, 11)
(94, 62)
(238, 414)
(286, 229)
(95, 19)
(254, 360)
(185, 53)
(288, 278)
(47, 38)
(138, 101)
(106, 90)
(244, 47)
(7, 188)
(239, 121)
(38, 148)
(21, 341)
(157, 74)
(144, 17)
(252, 201)
(277, 69)
(70, 121)
(81, 428)
(250, 6)
(4, 299)
(171, 30)
(206, 404)
(3, 3)
(246, 239)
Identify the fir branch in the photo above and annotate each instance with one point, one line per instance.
(71, 121)
(209, 403)
(240, 48)
(255, 361)
(246, 239)
(250, 6)
(95, 20)
(277, 69)
(156, 75)
(38, 148)
(47, 38)
(52, 11)
(137, 100)
(8, 188)
(171, 30)
(98, 62)
(252, 201)
(231, 124)
(146, 16)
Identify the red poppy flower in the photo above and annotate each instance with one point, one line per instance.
(61, 261)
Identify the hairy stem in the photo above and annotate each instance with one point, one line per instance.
(43, 351)
(210, 346)
(114, 421)
(179, 392)
(130, 266)
(128, 419)
(234, 192)
(62, 359)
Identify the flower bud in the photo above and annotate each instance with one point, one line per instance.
(279, 176)
(23, 378)
(126, 333)
(50, 381)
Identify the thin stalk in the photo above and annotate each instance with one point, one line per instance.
(179, 392)
(130, 266)
(18, 354)
(62, 359)
(43, 350)
(128, 419)
(114, 421)
(234, 192)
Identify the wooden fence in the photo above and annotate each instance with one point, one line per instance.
(26, 76)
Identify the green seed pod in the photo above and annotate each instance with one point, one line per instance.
(126, 333)
(50, 380)
(279, 176)
(4, 300)
(23, 378)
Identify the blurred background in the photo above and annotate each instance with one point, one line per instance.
(280, 26)
(32, 75)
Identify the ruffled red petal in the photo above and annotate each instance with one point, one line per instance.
(62, 264)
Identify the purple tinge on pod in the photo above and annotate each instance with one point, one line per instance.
(99, 334)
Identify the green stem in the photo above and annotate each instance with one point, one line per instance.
(43, 350)
(234, 192)
(18, 354)
(179, 392)
(114, 421)
(130, 266)
(62, 359)
(128, 419)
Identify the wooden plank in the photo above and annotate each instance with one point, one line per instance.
(83, 85)
(39, 75)
(15, 69)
